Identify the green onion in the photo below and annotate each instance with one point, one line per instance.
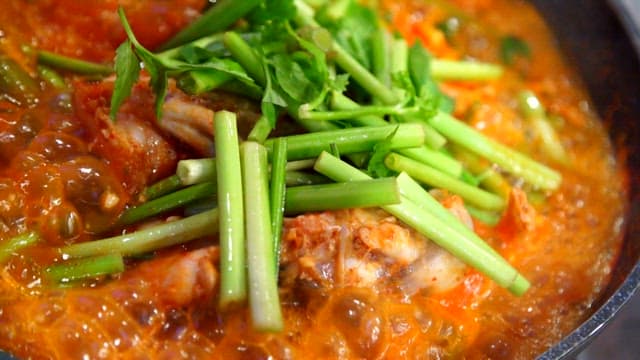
(488, 177)
(529, 170)
(168, 202)
(277, 193)
(344, 195)
(430, 176)
(162, 187)
(230, 195)
(17, 243)
(299, 178)
(149, 238)
(264, 302)
(300, 164)
(242, 52)
(381, 62)
(218, 17)
(464, 70)
(351, 140)
(72, 64)
(194, 171)
(432, 226)
(201, 81)
(51, 77)
(16, 82)
(436, 159)
(85, 268)
(535, 113)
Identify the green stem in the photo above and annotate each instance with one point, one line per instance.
(277, 193)
(351, 140)
(300, 164)
(162, 187)
(536, 114)
(16, 82)
(72, 64)
(433, 227)
(261, 130)
(464, 70)
(341, 102)
(432, 177)
(529, 170)
(435, 159)
(489, 178)
(51, 77)
(85, 268)
(230, 202)
(149, 238)
(168, 202)
(242, 52)
(218, 17)
(299, 178)
(201, 81)
(264, 302)
(305, 17)
(381, 62)
(344, 195)
(195, 171)
(17, 243)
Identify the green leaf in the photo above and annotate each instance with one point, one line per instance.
(376, 167)
(512, 47)
(272, 11)
(292, 78)
(419, 65)
(127, 68)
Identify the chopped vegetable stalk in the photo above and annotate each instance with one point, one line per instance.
(469, 250)
(16, 82)
(342, 102)
(410, 189)
(300, 164)
(464, 70)
(277, 193)
(261, 130)
(381, 61)
(435, 159)
(218, 17)
(432, 177)
(351, 140)
(344, 195)
(305, 17)
(201, 81)
(489, 178)
(51, 77)
(263, 280)
(233, 287)
(168, 202)
(529, 170)
(85, 268)
(535, 113)
(72, 64)
(245, 55)
(17, 243)
(194, 171)
(163, 187)
(299, 178)
(150, 238)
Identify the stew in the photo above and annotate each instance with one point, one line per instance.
(109, 249)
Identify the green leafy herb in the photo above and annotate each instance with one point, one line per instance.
(512, 47)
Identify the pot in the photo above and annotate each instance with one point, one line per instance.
(592, 36)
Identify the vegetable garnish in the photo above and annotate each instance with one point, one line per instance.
(363, 95)
(232, 221)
